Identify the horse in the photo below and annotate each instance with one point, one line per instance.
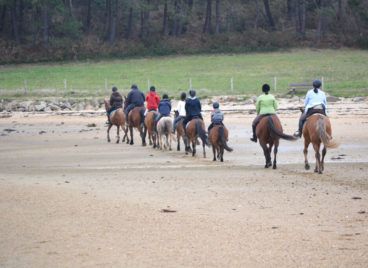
(149, 122)
(179, 132)
(117, 118)
(195, 129)
(164, 130)
(269, 131)
(218, 137)
(317, 130)
(135, 121)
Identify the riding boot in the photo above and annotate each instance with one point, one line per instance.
(298, 133)
(254, 138)
(108, 122)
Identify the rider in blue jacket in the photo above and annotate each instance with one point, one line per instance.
(134, 99)
(193, 108)
(164, 108)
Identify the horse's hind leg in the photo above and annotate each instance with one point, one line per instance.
(118, 133)
(266, 153)
(324, 151)
(178, 145)
(131, 135)
(222, 153)
(214, 152)
(204, 149)
(305, 151)
(108, 133)
(318, 159)
(194, 142)
(275, 149)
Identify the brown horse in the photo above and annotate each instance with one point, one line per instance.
(195, 129)
(180, 132)
(317, 130)
(149, 122)
(269, 131)
(117, 118)
(135, 121)
(218, 137)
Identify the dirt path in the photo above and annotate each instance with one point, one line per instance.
(69, 199)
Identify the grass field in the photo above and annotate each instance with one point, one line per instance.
(345, 73)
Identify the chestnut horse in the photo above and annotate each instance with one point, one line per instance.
(135, 121)
(317, 130)
(149, 122)
(269, 131)
(195, 129)
(164, 131)
(218, 137)
(179, 132)
(117, 118)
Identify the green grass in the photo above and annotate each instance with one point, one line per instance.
(345, 73)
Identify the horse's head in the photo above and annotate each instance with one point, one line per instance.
(176, 113)
(302, 109)
(107, 104)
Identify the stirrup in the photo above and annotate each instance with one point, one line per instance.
(298, 134)
(253, 139)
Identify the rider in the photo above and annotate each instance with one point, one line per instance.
(135, 98)
(192, 108)
(217, 116)
(164, 108)
(116, 102)
(152, 100)
(266, 104)
(180, 109)
(315, 102)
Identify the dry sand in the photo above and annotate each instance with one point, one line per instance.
(70, 199)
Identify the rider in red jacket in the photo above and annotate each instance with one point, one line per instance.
(152, 100)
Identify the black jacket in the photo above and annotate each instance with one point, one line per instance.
(116, 100)
(135, 97)
(193, 107)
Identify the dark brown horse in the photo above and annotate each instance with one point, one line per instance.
(195, 129)
(269, 131)
(218, 137)
(180, 132)
(317, 130)
(149, 122)
(117, 118)
(135, 121)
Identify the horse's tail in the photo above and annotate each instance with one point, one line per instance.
(326, 139)
(223, 140)
(279, 133)
(201, 132)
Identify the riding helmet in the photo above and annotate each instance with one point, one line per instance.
(114, 89)
(266, 88)
(192, 93)
(165, 96)
(317, 83)
(183, 96)
(134, 86)
(215, 105)
(152, 88)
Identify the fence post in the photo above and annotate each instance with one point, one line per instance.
(322, 84)
(275, 83)
(190, 83)
(25, 87)
(232, 84)
(65, 85)
(148, 84)
(106, 85)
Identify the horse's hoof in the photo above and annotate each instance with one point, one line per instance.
(274, 167)
(131, 143)
(320, 172)
(307, 167)
(108, 141)
(214, 159)
(316, 171)
(268, 165)
(222, 160)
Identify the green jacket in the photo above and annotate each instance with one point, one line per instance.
(266, 104)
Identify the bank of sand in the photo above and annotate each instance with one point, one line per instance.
(70, 199)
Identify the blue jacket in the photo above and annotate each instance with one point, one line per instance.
(135, 97)
(193, 107)
(164, 108)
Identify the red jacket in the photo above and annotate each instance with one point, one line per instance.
(152, 100)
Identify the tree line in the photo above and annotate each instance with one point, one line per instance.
(61, 29)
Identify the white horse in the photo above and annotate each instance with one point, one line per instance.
(165, 135)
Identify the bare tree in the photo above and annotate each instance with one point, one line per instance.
(271, 23)
(207, 27)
